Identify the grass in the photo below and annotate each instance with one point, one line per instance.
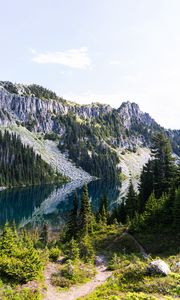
(162, 243)
(111, 240)
(17, 292)
(131, 281)
(73, 272)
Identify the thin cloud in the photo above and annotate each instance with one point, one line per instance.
(115, 62)
(73, 58)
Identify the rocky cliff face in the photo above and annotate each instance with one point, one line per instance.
(132, 127)
(41, 113)
(130, 112)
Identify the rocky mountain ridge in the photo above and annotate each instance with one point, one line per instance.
(41, 114)
(83, 131)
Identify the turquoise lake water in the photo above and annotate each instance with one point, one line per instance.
(39, 204)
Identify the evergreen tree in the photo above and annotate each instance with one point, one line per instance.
(19, 260)
(122, 212)
(176, 210)
(145, 185)
(131, 201)
(73, 250)
(85, 212)
(168, 206)
(151, 206)
(178, 175)
(45, 234)
(102, 214)
(164, 167)
(86, 249)
(72, 226)
(8, 241)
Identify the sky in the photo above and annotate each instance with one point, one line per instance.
(106, 51)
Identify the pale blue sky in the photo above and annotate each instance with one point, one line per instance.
(96, 50)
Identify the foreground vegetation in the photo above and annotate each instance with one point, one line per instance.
(130, 280)
(144, 227)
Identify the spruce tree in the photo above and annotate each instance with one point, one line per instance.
(150, 213)
(72, 226)
(178, 175)
(102, 214)
(122, 212)
(86, 249)
(164, 168)
(8, 241)
(45, 234)
(85, 212)
(176, 210)
(131, 201)
(73, 250)
(145, 185)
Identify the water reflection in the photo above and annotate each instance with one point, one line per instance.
(48, 203)
(17, 204)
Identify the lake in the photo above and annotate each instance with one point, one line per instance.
(35, 205)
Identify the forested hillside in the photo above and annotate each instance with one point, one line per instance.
(92, 135)
(86, 145)
(19, 165)
(156, 206)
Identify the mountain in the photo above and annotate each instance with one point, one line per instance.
(95, 137)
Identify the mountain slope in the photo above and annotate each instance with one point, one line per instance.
(92, 136)
(49, 153)
(20, 165)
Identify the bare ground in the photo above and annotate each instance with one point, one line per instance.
(78, 290)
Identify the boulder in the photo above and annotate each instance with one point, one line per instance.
(158, 267)
(177, 267)
(99, 260)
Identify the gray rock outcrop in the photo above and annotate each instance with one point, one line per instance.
(158, 267)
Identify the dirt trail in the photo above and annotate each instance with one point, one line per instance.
(75, 291)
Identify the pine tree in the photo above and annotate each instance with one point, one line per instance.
(178, 175)
(102, 213)
(85, 212)
(151, 205)
(86, 249)
(45, 234)
(131, 201)
(164, 167)
(73, 250)
(72, 226)
(122, 212)
(8, 241)
(176, 210)
(145, 185)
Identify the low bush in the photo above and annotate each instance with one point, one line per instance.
(73, 273)
(54, 253)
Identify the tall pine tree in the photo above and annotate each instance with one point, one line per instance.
(85, 218)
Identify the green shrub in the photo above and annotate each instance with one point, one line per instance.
(138, 296)
(8, 293)
(73, 273)
(73, 250)
(58, 280)
(87, 252)
(114, 263)
(54, 253)
(19, 260)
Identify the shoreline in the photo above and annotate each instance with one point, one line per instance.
(2, 188)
